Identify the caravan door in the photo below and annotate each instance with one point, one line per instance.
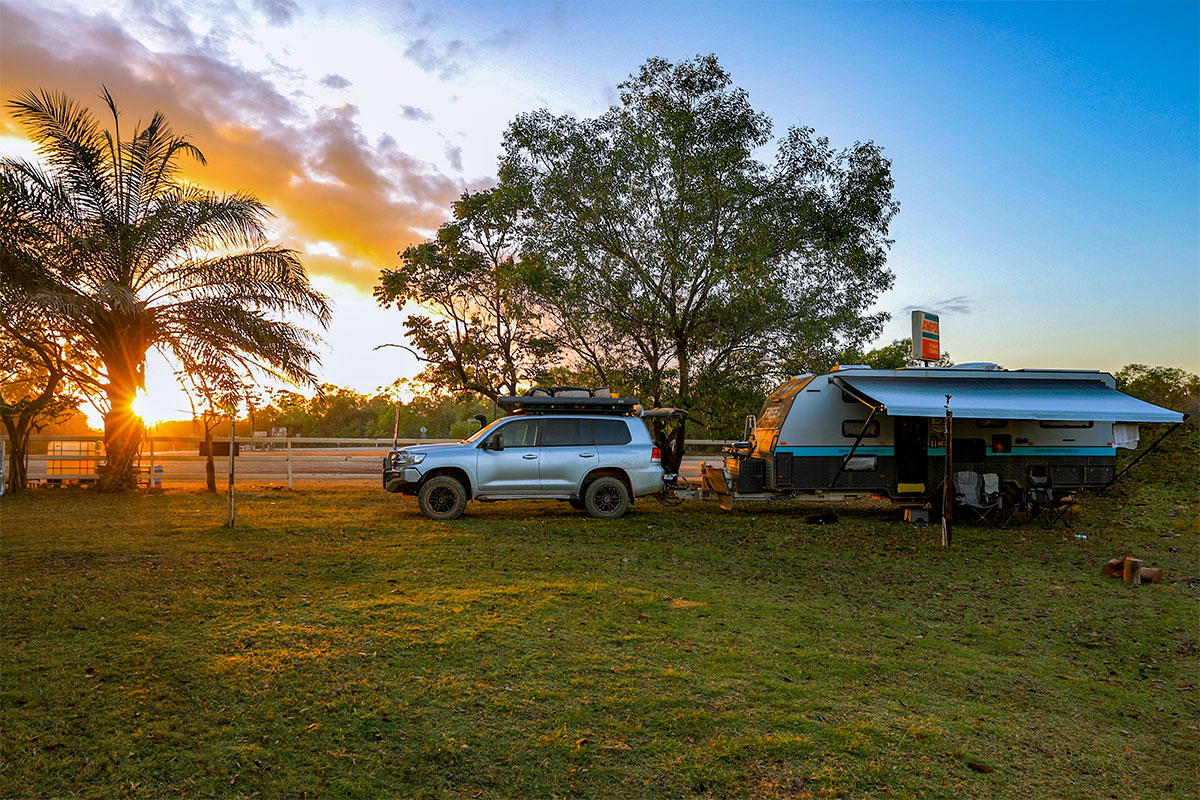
(912, 458)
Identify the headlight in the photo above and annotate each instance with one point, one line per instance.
(401, 460)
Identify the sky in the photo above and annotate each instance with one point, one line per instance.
(1046, 156)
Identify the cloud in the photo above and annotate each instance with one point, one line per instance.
(454, 155)
(955, 305)
(446, 61)
(279, 13)
(503, 39)
(415, 114)
(333, 81)
(323, 176)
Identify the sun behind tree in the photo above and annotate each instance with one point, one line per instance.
(118, 254)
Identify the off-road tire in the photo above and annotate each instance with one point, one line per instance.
(442, 498)
(606, 498)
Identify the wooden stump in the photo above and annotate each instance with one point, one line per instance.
(1133, 571)
(1114, 568)
(1150, 574)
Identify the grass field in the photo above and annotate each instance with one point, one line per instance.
(335, 644)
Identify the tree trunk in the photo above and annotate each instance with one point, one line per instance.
(210, 469)
(122, 436)
(18, 442)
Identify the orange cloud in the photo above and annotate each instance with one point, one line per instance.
(318, 171)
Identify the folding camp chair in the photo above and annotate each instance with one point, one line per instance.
(977, 496)
(1044, 506)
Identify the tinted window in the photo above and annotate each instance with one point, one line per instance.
(611, 431)
(991, 423)
(1065, 424)
(520, 433)
(561, 433)
(852, 427)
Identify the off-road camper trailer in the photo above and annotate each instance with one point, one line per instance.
(858, 432)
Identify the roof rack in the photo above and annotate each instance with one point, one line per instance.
(537, 404)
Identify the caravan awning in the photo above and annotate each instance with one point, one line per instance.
(1005, 398)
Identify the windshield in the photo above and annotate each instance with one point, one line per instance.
(484, 431)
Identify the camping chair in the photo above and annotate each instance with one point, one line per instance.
(1043, 505)
(978, 496)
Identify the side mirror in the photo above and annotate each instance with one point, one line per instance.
(496, 442)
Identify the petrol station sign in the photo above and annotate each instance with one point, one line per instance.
(926, 340)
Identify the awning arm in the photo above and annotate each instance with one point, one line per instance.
(1149, 450)
(875, 405)
(857, 442)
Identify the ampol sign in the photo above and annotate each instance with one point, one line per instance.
(926, 343)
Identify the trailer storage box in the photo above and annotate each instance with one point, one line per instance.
(748, 474)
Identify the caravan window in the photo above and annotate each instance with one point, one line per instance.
(991, 423)
(852, 427)
(1065, 424)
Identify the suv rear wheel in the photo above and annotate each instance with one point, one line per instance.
(606, 498)
(442, 498)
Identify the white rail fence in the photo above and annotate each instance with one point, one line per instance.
(176, 460)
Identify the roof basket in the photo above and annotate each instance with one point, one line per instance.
(544, 403)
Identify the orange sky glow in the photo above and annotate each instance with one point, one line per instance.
(1043, 232)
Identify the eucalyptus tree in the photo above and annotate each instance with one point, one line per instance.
(479, 329)
(120, 254)
(674, 257)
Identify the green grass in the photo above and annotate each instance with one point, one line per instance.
(336, 644)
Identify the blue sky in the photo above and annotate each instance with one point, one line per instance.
(1046, 155)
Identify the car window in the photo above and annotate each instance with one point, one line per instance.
(520, 433)
(611, 431)
(562, 433)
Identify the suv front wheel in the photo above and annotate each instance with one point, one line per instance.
(442, 498)
(606, 498)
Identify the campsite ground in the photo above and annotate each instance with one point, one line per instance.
(336, 644)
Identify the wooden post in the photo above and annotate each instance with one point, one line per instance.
(948, 482)
(289, 462)
(232, 448)
(3, 466)
(150, 474)
(1133, 571)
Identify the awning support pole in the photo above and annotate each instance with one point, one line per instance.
(947, 482)
(857, 442)
(1149, 450)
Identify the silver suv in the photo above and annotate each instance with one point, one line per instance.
(597, 455)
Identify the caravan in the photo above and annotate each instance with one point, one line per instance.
(864, 432)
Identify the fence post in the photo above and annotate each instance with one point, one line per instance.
(289, 462)
(232, 448)
(150, 474)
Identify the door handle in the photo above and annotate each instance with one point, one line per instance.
(587, 455)
(529, 456)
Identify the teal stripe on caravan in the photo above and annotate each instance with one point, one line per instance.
(1027, 450)
(834, 451)
(1018, 450)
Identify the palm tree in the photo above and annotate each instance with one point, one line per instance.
(121, 255)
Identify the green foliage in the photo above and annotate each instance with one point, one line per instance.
(1170, 387)
(118, 254)
(896, 355)
(672, 259)
(335, 411)
(484, 334)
